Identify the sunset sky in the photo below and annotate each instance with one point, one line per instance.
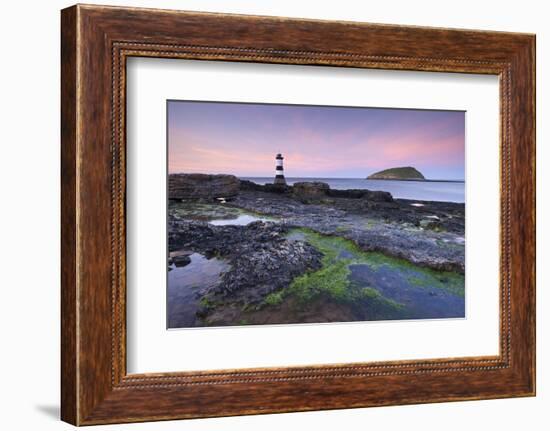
(316, 141)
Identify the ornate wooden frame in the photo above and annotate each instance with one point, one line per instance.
(95, 42)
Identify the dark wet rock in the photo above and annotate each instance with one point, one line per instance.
(317, 191)
(378, 196)
(202, 311)
(370, 195)
(247, 185)
(321, 310)
(432, 223)
(348, 193)
(202, 186)
(310, 191)
(392, 228)
(277, 188)
(180, 258)
(267, 269)
(181, 261)
(261, 259)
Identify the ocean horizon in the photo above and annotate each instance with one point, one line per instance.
(430, 190)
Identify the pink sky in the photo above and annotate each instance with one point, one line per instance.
(337, 142)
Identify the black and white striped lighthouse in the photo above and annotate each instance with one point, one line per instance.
(279, 173)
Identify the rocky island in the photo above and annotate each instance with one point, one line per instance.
(407, 173)
(242, 253)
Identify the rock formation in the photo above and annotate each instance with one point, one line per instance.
(310, 191)
(202, 186)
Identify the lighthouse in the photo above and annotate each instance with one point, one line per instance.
(279, 174)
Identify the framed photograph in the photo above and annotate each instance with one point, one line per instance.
(263, 214)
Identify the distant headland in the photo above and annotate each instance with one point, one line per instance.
(406, 173)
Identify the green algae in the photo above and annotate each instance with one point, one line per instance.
(448, 281)
(372, 223)
(211, 211)
(370, 293)
(208, 302)
(333, 280)
(274, 298)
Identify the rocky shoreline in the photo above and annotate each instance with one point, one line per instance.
(265, 260)
(262, 260)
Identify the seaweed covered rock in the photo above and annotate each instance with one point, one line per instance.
(261, 259)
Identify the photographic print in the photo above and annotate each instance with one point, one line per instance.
(291, 214)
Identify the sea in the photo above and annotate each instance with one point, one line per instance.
(442, 191)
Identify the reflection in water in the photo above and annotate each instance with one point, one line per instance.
(420, 296)
(414, 292)
(241, 220)
(215, 214)
(355, 285)
(185, 285)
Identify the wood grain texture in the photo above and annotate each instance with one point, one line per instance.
(96, 41)
(69, 366)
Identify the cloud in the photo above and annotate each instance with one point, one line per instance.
(315, 141)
